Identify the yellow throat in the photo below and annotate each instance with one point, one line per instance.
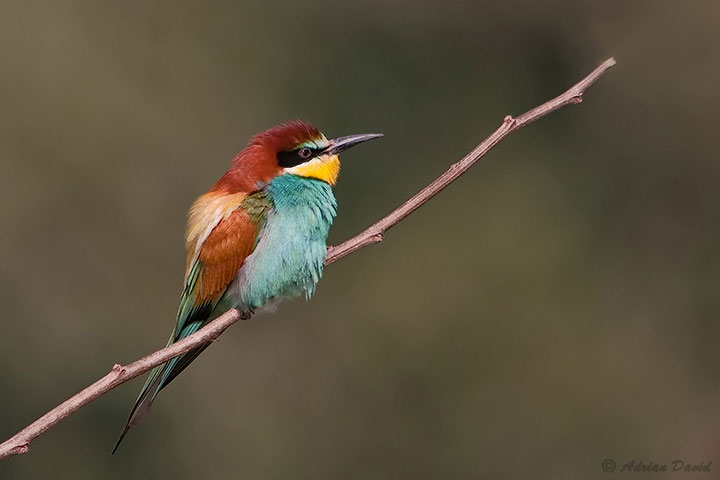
(324, 167)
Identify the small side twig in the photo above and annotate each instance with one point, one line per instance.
(375, 232)
(20, 442)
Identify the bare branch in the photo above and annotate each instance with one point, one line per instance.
(375, 232)
(20, 442)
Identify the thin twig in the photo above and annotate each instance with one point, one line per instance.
(20, 442)
(375, 232)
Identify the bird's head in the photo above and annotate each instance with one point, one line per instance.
(296, 148)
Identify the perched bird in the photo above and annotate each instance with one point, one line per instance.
(256, 237)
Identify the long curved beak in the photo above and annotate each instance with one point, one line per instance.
(341, 144)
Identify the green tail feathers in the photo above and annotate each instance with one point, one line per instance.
(159, 378)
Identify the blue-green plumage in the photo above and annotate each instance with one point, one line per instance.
(294, 215)
(288, 259)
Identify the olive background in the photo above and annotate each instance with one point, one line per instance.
(555, 307)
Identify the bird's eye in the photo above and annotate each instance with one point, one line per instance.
(305, 153)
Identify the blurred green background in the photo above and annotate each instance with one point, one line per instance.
(554, 307)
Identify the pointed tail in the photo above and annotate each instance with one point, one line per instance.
(144, 401)
(158, 379)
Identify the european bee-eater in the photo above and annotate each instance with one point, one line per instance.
(259, 235)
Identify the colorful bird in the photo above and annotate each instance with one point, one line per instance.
(256, 237)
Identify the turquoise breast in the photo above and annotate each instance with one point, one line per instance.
(288, 259)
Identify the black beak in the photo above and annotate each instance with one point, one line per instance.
(341, 144)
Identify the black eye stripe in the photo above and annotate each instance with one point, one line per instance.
(293, 157)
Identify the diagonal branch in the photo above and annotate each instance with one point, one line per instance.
(375, 232)
(20, 442)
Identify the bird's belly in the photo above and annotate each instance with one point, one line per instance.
(281, 266)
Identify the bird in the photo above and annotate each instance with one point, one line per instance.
(256, 237)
